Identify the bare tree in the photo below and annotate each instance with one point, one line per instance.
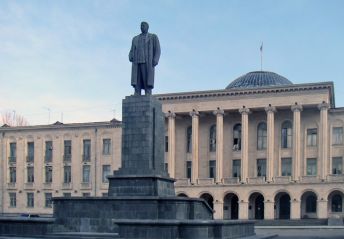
(10, 118)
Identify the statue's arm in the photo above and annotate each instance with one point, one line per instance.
(131, 52)
(156, 51)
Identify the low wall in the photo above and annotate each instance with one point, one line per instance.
(10, 226)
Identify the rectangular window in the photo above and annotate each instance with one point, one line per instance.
(48, 157)
(13, 174)
(337, 135)
(86, 170)
(13, 152)
(30, 152)
(312, 137)
(106, 146)
(67, 150)
(236, 169)
(337, 165)
(286, 166)
(48, 201)
(188, 169)
(106, 172)
(48, 174)
(166, 143)
(30, 202)
(67, 178)
(311, 166)
(261, 167)
(86, 194)
(212, 168)
(86, 150)
(105, 194)
(67, 195)
(13, 199)
(30, 174)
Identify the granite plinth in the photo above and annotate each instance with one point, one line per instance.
(143, 137)
(141, 185)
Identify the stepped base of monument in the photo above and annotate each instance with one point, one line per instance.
(145, 217)
(140, 185)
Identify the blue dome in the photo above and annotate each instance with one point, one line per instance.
(257, 79)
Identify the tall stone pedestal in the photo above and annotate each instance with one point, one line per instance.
(142, 202)
(143, 134)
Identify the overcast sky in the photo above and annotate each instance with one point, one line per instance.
(71, 56)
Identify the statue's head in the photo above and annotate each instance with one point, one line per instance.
(144, 27)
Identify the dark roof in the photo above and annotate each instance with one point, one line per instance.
(257, 79)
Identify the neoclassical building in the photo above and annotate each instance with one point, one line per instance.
(262, 148)
(45, 161)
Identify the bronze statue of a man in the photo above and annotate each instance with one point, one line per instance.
(144, 55)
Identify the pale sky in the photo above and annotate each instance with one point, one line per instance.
(71, 56)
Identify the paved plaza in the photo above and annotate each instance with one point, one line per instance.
(303, 233)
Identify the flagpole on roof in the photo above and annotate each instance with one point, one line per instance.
(261, 57)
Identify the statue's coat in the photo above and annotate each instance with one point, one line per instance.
(152, 54)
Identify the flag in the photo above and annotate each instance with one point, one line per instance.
(261, 47)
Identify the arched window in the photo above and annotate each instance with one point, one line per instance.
(212, 138)
(189, 139)
(261, 136)
(286, 135)
(237, 137)
(311, 204)
(336, 203)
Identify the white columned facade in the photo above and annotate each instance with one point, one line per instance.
(270, 110)
(296, 141)
(195, 129)
(244, 143)
(219, 144)
(323, 140)
(171, 143)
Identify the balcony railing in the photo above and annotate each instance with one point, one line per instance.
(256, 180)
(310, 179)
(182, 182)
(282, 179)
(12, 159)
(234, 180)
(335, 178)
(205, 181)
(67, 157)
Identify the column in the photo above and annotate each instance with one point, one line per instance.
(243, 210)
(296, 141)
(295, 209)
(171, 143)
(218, 208)
(269, 210)
(244, 143)
(270, 110)
(219, 144)
(323, 140)
(322, 208)
(195, 128)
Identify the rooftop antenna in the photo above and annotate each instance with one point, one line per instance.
(49, 111)
(61, 117)
(261, 57)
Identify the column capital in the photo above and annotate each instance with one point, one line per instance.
(324, 106)
(270, 109)
(296, 107)
(170, 114)
(244, 110)
(194, 113)
(218, 111)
